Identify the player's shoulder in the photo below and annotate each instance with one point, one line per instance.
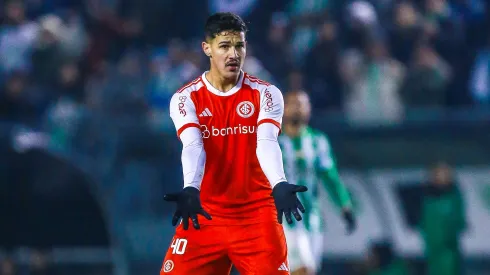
(193, 86)
(256, 83)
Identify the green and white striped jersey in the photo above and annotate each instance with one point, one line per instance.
(308, 160)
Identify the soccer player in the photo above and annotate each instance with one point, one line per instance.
(229, 122)
(309, 161)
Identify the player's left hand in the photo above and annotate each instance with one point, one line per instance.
(349, 220)
(188, 206)
(287, 201)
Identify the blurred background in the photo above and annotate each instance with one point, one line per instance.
(402, 88)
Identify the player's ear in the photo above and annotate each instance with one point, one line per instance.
(206, 48)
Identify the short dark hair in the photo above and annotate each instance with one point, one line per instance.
(223, 21)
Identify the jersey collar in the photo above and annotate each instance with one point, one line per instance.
(217, 92)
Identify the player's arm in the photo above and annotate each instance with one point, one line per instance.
(332, 183)
(330, 176)
(183, 114)
(270, 156)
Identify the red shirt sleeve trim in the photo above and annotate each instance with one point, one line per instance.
(185, 126)
(268, 120)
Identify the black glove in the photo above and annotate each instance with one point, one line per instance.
(287, 202)
(188, 206)
(349, 220)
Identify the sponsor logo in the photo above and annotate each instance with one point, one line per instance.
(245, 109)
(168, 266)
(182, 100)
(216, 132)
(269, 105)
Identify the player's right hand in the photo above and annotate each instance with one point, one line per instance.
(287, 201)
(188, 206)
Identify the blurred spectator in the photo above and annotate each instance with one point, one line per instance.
(94, 84)
(372, 80)
(170, 68)
(15, 103)
(406, 31)
(443, 221)
(115, 26)
(361, 22)
(443, 29)
(383, 261)
(305, 15)
(362, 13)
(65, 113)
(472, 13)
(7, 267)
(116, 91)
(72, 35)
(240, 7)
(275, 47)
(427, 79)
(255, 67)
(322, 68)
(46, 56)
(480, 77)
(295, 81)
(70, 81)
(158, 95)
(17, 37)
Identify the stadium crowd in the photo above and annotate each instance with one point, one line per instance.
(369, 59)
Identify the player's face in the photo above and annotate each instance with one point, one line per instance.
(227, 53)
(297, 108)
(442, 175)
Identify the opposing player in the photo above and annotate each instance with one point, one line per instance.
(229, 122)
(309, 161)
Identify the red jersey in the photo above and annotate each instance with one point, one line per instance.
(234, 189)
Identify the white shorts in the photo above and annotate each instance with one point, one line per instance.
(305, 248)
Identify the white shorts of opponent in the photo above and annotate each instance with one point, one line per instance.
(305, 248)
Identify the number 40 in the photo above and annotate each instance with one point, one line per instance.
(178, 246)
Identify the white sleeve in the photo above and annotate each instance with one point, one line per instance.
(183, 112)
(269, 153)
(193, 157)
(271, 106)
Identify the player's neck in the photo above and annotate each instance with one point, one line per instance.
(292, 130)
(219, 82)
